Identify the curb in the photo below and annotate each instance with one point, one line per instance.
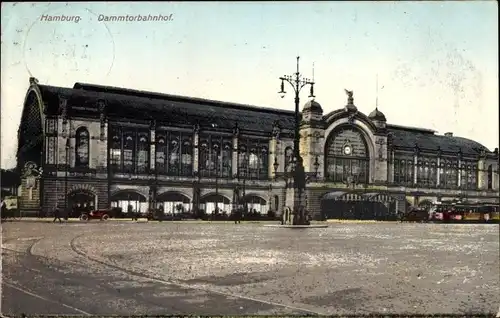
(359, 221)
(141, 220)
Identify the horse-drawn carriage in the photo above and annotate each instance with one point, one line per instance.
(10, 209)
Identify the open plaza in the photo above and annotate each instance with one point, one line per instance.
(126, 267)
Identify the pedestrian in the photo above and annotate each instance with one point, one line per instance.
(4, 210)
(57, 215)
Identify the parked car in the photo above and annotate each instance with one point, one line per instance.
(102, 215)
(416, 215)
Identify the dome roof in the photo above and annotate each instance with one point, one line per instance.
(377, 115)
(312, 105)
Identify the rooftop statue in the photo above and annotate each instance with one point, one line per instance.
(349, 93)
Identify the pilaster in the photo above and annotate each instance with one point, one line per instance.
(152, 145)
(415, 164)
(273, 149)
(460, 169)
(482, 172)
(380, 173)
(236, 134)
(495, 177)
(390, 170)
(439, 168)
(196, 137)
(102, 141)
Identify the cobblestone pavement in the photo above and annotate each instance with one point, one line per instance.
(159, 268)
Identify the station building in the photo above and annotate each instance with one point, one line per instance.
(105, 146)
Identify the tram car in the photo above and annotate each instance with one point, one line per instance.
(464, 212)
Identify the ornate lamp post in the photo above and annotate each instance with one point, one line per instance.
(288, 176)
(217, 181)
(270, 197)
(67, 147)
(196, 196)
(299, 176)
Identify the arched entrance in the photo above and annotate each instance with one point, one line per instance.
(80, 201)
(357, 206)
(347, 158)
(256, 204)
(210, 202)
(30, 151)
(172, 202)
(129, 201)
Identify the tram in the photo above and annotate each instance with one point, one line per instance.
(464, 212)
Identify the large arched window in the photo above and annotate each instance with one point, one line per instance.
(205, 164)
(160, 154)
(242, 161)
(174, 153)
(422, 172)
(128, 152)
(432, 176)
(347, 156)
(143, 153)
(227, 159)
(215, 156)
(82, 147)
(253, 160)
(468, 178)
(449, 173)
(472, 176)
(403, 169)
(427, 171)
(115, 151)
(186, 157)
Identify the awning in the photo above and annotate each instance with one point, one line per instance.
(378, 197)
(343, 196)
(333, 195)
(353, 196)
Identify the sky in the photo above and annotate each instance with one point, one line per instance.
(436, 62)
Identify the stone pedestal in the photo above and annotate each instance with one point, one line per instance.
(294, 201)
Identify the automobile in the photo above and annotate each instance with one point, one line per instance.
(416, 215)
(102, 215)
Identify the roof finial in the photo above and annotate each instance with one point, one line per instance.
(313, 72)
(376, 98)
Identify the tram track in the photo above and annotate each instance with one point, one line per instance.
(24, 289)
(30, 253)
(180, 284)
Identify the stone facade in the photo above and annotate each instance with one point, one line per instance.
(62, 176)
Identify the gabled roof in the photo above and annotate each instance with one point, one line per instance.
(135, 104)
(425, 139)
(126, 103)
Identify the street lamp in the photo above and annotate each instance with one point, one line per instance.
(67, 147)
(270, 197)
(196, 197)
(299, 175)
(216, 180)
